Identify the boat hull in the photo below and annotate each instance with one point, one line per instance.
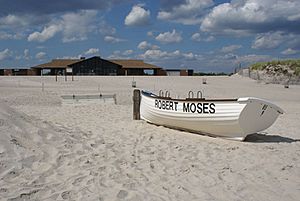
(232, 119)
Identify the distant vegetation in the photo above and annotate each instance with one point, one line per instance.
(283, 66)
(210, 74)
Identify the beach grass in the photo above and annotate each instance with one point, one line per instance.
(293, 64)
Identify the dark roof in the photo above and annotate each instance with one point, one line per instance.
(58, 63)
(130, 63)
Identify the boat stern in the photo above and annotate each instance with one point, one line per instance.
(257, 115)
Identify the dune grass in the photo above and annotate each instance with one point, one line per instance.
(294, 65)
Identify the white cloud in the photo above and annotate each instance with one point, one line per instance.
(209, 39)
(164, 55)
(253, 16)
(197, 37)
(230, 48)
(92, 51)
(112, 39)
(127, 52)
(289, 51)
(9, 36)
(46, 34)
(106, 29)
(26, 54)
(121, 55)
(40, 55)
(253, 58)
(268, 40)
(169, 37)
(190, 12)
(150, 33)
(144, 45)
(5, 54)
(14, 21)
(138, 16)
(76, 26)
(73, 26)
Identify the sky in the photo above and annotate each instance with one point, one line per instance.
(204, 35)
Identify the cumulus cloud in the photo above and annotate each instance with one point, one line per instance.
(126, 54)
(9, 36)
(40, 55)
(269, 40)
(197, 37)
(169, 37)
(15, 21)
(76, 26)
(106, 29)
(26, 54)
(253, 16)
(253, 58)
(289, 51)
(92, 51)
(164, 55)
(159, 54)
(112, 39)
(46, 34)
(230, 48)
(138, 16)
(5, 54)
(188, 12)
(54, 6)
(144, 45)
(73, 26)
(150, 33)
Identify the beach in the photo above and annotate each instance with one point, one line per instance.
(53, 150)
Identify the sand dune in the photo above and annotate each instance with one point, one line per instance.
(55, 151)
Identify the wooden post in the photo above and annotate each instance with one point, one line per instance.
(65, 74)
(136, 104)
(56, 75)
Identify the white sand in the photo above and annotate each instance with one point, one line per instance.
(55, 151)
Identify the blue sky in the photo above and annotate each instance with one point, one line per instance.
(204, 35)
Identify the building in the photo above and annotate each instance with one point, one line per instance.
(96, 66)
(17, 72)
(137, 67)
(179, 72)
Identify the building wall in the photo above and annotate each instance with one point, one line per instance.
(134, 71)
(8, 72)
(33, 72)
(18, 72)
(173, 73)
(96, 66)
(161, 72)
(183, 73)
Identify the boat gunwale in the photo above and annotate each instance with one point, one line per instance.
(187, 99)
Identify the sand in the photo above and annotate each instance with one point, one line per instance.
(50, 150)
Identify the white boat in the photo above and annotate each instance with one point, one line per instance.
(228, 118)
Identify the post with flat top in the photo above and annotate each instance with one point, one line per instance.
(136, 104)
